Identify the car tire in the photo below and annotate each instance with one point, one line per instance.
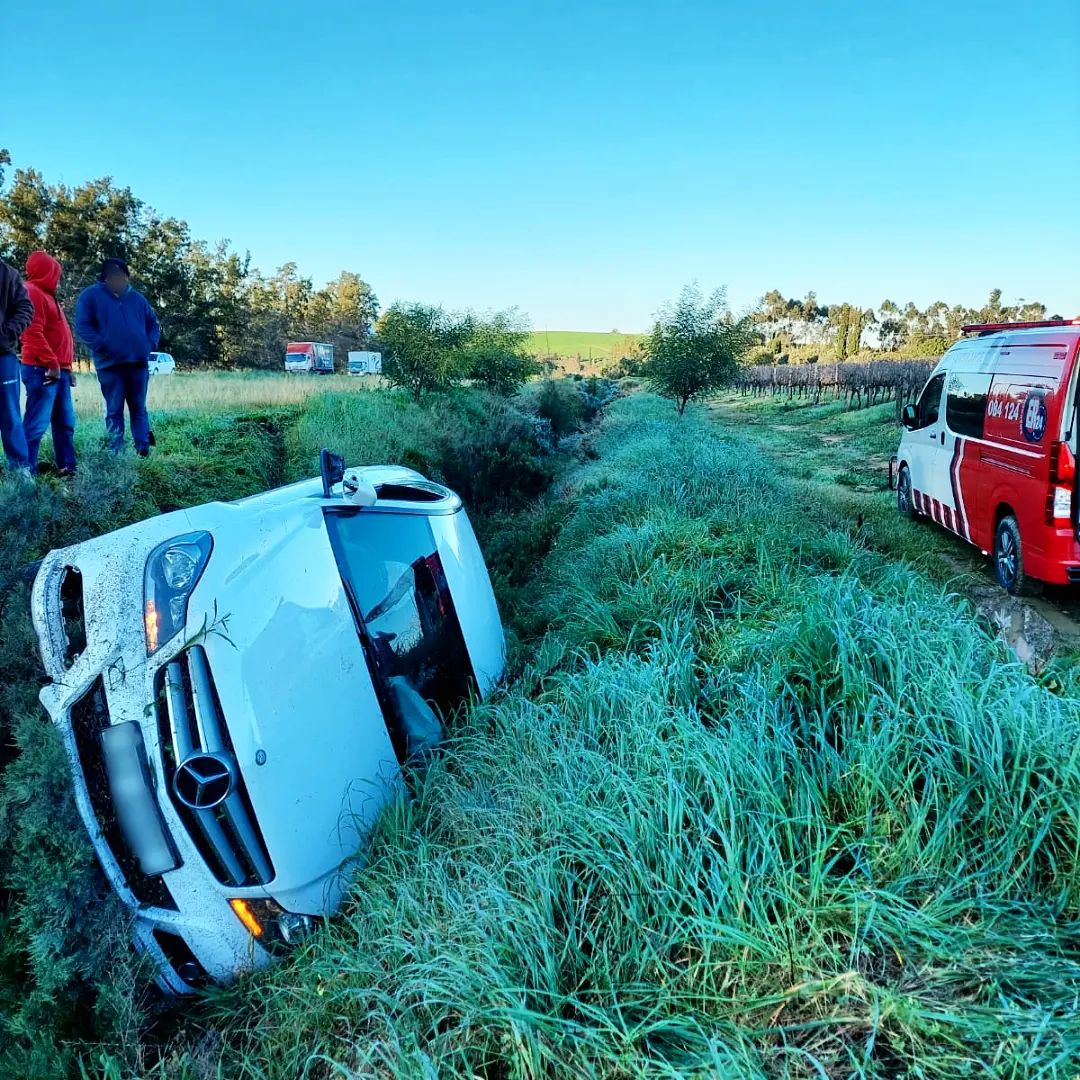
(1009, 560)
(905, 501)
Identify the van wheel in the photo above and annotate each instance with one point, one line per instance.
(905, 502)
(1009, 560)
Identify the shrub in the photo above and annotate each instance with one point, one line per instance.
(559, 402)
(421, 347)
(494, 354)
(491, 458)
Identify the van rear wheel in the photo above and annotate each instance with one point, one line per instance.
(1009, 560)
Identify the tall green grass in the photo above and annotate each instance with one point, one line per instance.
(762, 803)
(222, 391)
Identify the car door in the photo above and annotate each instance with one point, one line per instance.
(926, 453)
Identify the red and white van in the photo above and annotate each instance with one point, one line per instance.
(989, 449)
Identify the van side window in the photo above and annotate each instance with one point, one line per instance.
(930, 401)
(965, 406)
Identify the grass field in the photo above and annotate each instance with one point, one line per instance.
(221, 391)
(762, 797)
(595, 346)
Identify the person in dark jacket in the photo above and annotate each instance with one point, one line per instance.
(16, 311)
(121, 330)
(47, 352)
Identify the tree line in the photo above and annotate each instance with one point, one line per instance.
(797, 330)
(219, 311)
(216, 309)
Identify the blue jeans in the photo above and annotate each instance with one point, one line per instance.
(126, 384)
(11, 426)
(49, 403)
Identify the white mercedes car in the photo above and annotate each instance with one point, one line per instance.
(238, 687)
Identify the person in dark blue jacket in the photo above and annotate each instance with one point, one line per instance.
(120, 328)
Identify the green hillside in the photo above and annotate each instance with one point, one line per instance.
(588, 344)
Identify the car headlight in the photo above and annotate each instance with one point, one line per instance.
(172, 571)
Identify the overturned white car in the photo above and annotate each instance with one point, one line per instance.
(238, 685)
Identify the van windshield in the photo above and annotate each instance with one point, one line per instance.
(403, 608)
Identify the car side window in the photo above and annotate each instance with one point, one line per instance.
(930, 401)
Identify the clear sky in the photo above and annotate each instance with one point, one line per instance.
(581, 160)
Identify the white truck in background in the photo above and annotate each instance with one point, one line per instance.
(365, 362)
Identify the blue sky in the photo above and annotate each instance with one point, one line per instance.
(582, 160)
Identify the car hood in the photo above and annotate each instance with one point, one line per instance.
(296, 696)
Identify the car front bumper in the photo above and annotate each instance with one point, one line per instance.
(181, 916)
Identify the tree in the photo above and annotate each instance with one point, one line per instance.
(343, 312)
(695, 347)
(422, 347)
(840, 317)
(493, 352)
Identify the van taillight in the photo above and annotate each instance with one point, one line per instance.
(1062, 464)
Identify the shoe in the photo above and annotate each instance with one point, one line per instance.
(66, 474)
(143, 453)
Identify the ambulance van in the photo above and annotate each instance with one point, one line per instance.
(989, 449)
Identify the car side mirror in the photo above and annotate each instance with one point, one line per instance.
(908, 417)
(332, 467)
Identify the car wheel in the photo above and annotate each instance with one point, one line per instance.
(905, 502)
(1009, 560)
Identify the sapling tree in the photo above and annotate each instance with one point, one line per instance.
(494, 353)
(422, 347)
(695, 347)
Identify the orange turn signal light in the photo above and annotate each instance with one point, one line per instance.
(244, 913)
(152, 621)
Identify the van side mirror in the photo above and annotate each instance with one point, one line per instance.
(908, 417)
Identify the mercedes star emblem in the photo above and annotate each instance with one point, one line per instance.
(202, 781)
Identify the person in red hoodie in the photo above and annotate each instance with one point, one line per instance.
(47, 353)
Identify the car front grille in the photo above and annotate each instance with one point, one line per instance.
(195, 742)
(89, 717)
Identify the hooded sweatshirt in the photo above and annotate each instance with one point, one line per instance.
(16, 311)
(118, 330)
(47, 340)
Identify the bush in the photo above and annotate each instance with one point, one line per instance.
(559, 402)
(492, 458)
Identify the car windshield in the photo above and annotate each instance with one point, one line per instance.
(403, 607)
